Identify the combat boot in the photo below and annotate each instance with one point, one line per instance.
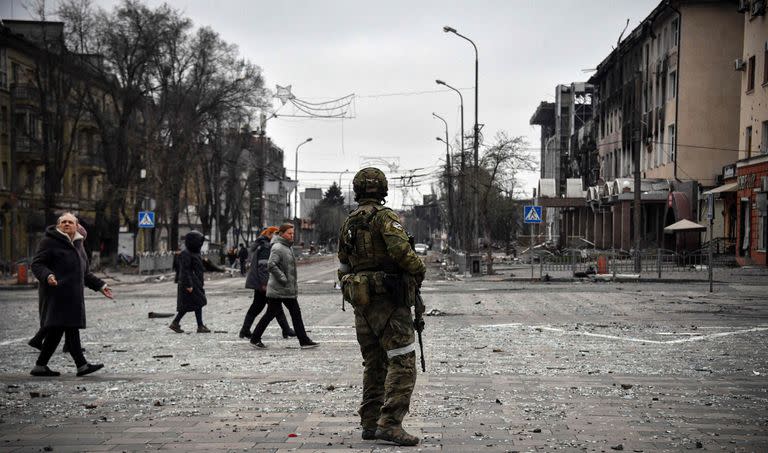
(369, 433)
(397, 435)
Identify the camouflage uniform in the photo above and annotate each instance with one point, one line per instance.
(374, 249)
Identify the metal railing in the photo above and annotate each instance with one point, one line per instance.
(622, 262)
(151, 262)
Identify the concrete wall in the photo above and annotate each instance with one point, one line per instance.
(754, 103)
(712, 35)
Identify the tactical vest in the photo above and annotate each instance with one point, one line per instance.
(364, 243)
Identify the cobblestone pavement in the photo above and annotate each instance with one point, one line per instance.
(511, 366)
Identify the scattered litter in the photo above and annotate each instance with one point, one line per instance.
(618, 447)
(626, 386)
(435, 312)
(153, 314)
(162, 356)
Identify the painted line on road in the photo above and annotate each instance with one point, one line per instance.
(15, 340)
(641, 340)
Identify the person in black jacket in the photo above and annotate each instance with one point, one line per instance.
(61, 267)
(37, 341)
(190, 294)
(257, 279)
(242, 255)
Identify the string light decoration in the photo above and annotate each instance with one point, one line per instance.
(340, 108)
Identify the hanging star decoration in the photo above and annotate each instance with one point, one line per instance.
(284, 93)
(339, 108)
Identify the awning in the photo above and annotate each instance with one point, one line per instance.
(684, 225)
(730, 187)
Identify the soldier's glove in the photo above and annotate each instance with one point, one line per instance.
(418, 324)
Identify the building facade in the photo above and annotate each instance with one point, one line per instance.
(747, 200)
(36, 83)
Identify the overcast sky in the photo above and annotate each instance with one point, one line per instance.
(390, 53)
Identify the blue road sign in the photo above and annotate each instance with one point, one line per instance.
(532, 214)
(146, 219)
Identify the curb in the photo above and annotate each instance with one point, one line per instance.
(18, 287)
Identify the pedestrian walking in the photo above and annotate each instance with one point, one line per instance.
(190, 295)
(37, 340)
(231, 256)
(242, 255)
(380, 275)
(282, 288)
(61, 267)
(257, 279)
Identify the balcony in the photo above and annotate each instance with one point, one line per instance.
(91, 163)
(27, 150)
(24, 94)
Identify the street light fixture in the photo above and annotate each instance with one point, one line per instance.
(296, 190)
(475, 223)
(450, 225)
(462, 167)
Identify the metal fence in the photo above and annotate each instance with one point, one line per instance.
(151, 262)
(621, 262)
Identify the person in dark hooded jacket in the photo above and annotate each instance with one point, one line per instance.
(61, 267)
(190, 294)
(257, 279)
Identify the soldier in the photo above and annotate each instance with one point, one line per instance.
(380, 275)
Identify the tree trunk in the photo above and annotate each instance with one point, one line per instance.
(487, 234)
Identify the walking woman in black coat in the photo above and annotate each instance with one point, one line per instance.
(190, 295)
(61, 267)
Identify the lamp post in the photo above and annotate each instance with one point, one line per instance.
(462, 168)
(261, 173)
(449, 183)
(296, 226)
(475, 221)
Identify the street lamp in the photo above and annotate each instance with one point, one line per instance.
(462, 231)
(296, 190)
(475, 223)
(449, 182)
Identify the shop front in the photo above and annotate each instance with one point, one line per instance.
(752, 217)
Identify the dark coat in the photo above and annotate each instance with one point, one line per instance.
(258, 275)
(63, 305)
(242, 254)
(191, 275)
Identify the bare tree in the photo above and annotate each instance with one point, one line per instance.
(121, 46)
(54, 82)
(499, 166)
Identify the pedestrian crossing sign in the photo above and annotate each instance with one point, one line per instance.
(146, 219)
(532, 214)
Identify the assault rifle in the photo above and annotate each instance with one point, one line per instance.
(418, 319)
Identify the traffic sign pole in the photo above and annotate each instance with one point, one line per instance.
(532, 216)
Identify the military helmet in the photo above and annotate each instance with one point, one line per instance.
(370, 182)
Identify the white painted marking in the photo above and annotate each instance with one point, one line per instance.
(641, 340)
(15, 340)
